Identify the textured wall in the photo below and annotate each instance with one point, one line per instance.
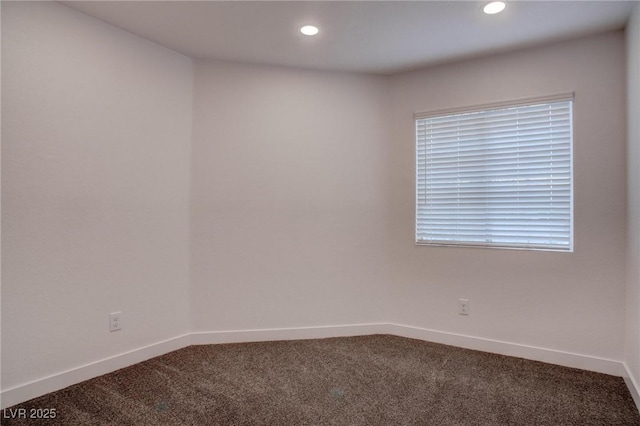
(632, 353)
(564, 301)
(96, 127)
(289, 196)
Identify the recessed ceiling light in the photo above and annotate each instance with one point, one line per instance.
(494, 7)
(309, 30)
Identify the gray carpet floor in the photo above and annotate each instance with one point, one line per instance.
(368, 380)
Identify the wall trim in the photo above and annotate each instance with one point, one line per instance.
(296, 333)
(54, 382)
(533, 353)
(632, 384)
(27, 391)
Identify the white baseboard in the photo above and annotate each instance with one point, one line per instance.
(297, 333)
(63, 379)
(551, 356)
(632, 384)
(36, 388)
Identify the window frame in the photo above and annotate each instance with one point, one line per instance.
(564, 97)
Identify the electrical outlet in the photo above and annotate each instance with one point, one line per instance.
(115, 322)
(463, 306)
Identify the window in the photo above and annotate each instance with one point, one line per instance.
(496, 176)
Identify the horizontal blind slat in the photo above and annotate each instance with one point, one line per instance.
(498, 177)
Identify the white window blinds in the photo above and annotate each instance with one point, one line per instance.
(500, 176)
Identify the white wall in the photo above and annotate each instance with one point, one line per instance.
(289, 198)
(293, 227)
(568, 302)
(284, 200)
(96, 128)
(632, 352)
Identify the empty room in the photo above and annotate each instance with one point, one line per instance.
(320, 213)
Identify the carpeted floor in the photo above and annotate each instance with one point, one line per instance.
(369, 380)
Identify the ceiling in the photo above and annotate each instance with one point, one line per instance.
(381, 37)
